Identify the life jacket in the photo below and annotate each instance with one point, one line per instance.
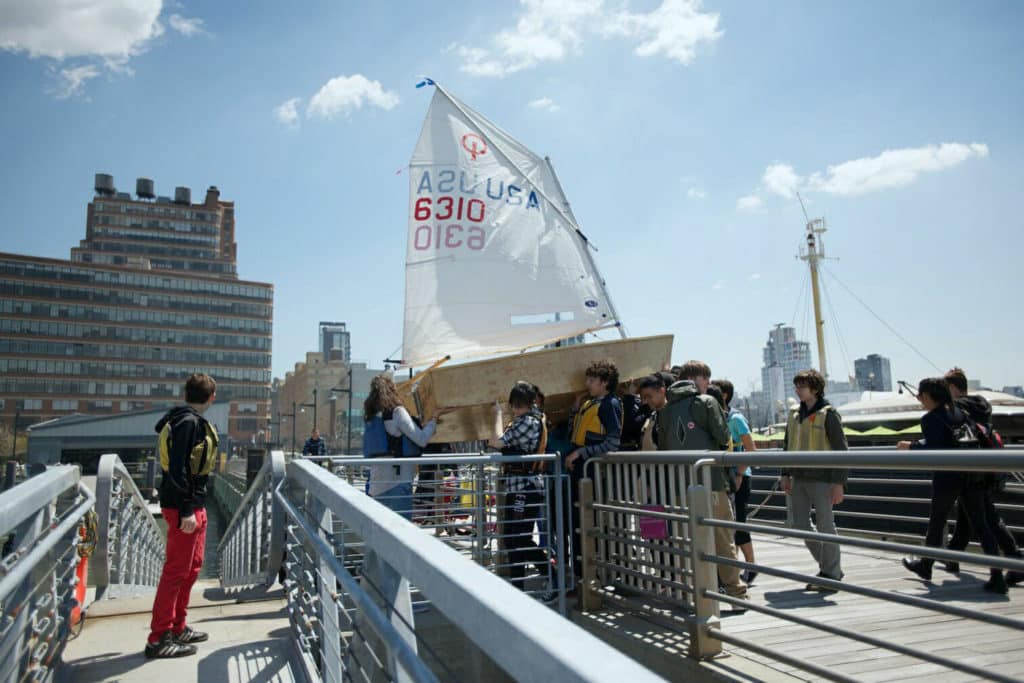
(377, 443)
(587, 429)
(808, 434)
(203, 457)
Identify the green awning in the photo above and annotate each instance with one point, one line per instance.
(880, 431)
(913, 429)
(851, 432)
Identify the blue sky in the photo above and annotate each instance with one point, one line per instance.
(680, 130)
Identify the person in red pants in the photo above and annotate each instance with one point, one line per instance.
(188, 452)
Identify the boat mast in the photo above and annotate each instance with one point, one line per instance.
(813, 254)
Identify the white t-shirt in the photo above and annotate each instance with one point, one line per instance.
(385, 477)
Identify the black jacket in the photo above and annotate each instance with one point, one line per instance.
(179, 489)
(977, 407)
(938, 429)
(314, 447)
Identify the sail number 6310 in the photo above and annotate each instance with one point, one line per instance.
(451, 236)
(447, 208)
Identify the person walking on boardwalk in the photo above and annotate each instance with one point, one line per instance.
(694, 421)
(815, 425)
(941, 427)
(978, 409)
(187, 446)
(742, 441)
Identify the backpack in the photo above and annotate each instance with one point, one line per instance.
(985, 436)
(203, 454)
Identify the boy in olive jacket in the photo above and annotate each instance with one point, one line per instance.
(815, 425)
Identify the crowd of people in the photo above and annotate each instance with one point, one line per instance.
(677, 410)
(684, 409)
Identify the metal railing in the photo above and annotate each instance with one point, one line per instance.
(875, 504)
(252, 547)
(649, 533)
(129, 553)
(39, 526)
(506, 513)
(357, 621)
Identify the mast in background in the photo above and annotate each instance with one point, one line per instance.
(813, 253)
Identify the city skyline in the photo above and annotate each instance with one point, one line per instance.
(703, 145)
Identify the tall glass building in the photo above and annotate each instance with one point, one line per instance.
(149, 297)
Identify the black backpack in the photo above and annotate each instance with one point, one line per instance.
(984, 436)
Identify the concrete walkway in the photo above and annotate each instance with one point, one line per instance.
(248, 642)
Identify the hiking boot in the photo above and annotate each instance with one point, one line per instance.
(167, 648)
(749, 576)
(1014, 577)
(548, 597)
(997, 584)
(190, 635)
(922, 568)
(952, 567)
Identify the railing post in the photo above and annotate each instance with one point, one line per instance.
(479, 512)
(151, 473)
(559, 529)
(705, 576)
(590, 600)
(501, 567)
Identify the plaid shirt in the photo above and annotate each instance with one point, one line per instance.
(523, 435)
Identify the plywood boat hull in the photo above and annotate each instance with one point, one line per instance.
(472, 388)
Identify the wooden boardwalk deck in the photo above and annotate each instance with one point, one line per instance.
(995, 648)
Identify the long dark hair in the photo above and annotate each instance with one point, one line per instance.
(383, 397)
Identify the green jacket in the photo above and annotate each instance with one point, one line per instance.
(693, 422)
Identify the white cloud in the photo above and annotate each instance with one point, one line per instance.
(98, 34)
(73, 80)
(782, 180)
(893, 168)
(548, 31)
(112, 29)
(186, 26)
(288, 112)
(696, 193)
(343, 94)
(545, 103)
(750, 203)
(674, 30)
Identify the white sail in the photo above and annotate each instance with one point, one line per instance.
(495, 261)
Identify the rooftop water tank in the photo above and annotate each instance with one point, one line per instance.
(182, 195)
(144, 188)
(104, 184)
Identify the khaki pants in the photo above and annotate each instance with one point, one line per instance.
(725, 546)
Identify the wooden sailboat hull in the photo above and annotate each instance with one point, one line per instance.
(472, 388)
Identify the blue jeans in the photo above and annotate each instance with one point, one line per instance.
(398, 498)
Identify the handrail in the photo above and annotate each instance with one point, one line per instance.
(40, 521)
(130, 550)
(638, 492)
(251, 547)
(527, 640)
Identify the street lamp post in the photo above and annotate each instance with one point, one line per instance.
(348, 414)
(290, 416)
(14, 441)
